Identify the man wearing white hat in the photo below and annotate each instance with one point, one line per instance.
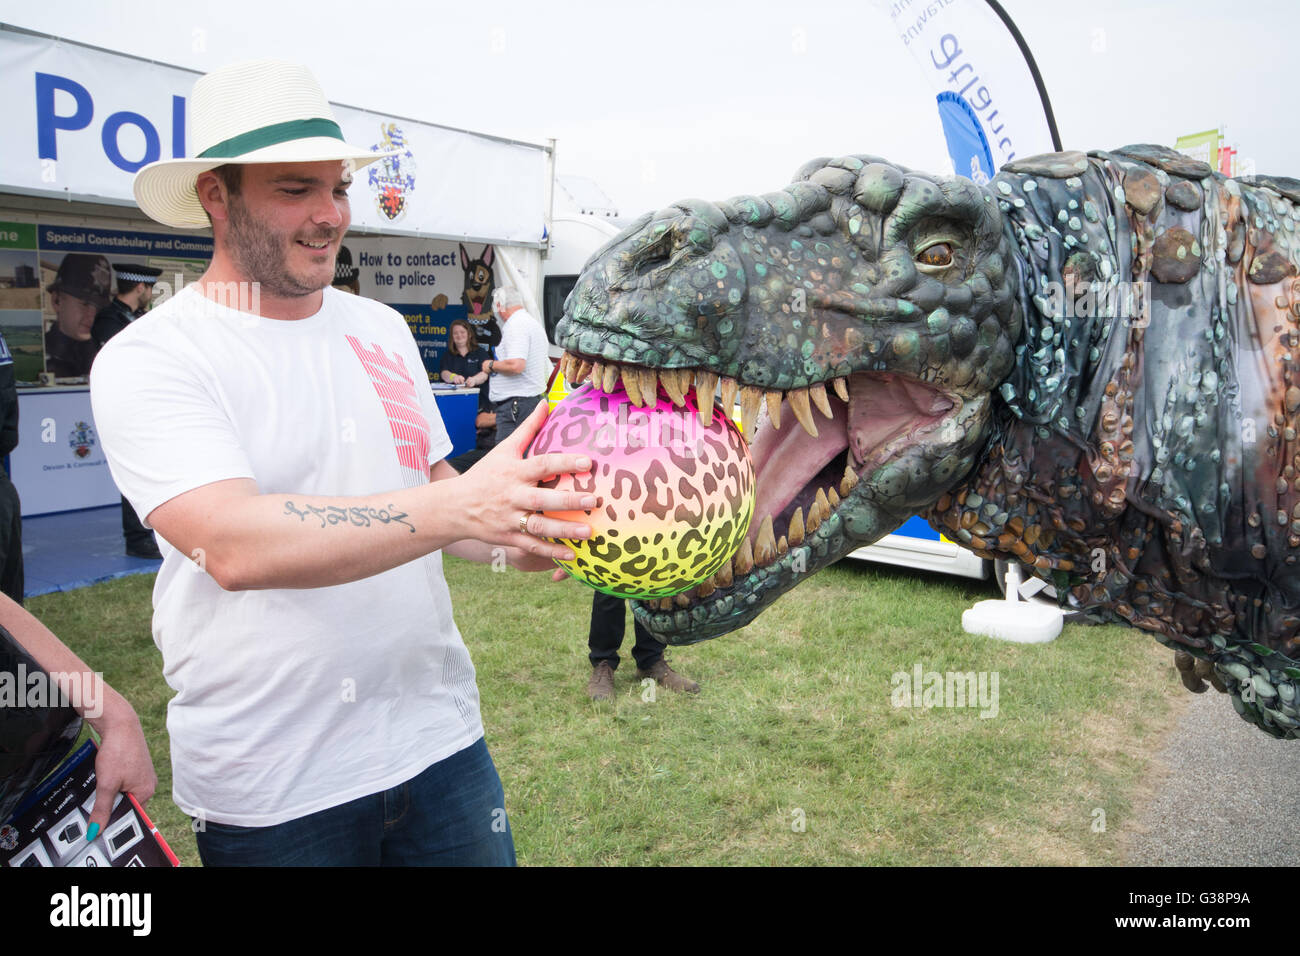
(285, 451)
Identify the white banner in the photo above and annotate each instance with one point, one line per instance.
(59, 463)
(79, 122)
(963, 47)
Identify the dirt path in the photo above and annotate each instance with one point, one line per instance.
(1230, 795)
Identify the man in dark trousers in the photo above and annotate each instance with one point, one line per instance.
(134, 293)
(608, 616)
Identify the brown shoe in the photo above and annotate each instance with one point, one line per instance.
(665, 676)
(601, 685)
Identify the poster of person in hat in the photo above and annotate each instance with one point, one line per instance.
(80, 289)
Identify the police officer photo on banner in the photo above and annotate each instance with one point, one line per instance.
(133, 293)
(79, 287)
(135, 286)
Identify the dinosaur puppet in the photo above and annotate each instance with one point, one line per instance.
(1091, 364)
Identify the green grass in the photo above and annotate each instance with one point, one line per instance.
(794, 726)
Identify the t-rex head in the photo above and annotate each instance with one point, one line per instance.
(863, 314)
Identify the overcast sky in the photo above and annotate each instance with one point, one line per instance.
(661, 100)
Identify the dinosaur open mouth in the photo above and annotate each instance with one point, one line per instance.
(811, 447)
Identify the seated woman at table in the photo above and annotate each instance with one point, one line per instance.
(462, 364)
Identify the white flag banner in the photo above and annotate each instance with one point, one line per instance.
(964, 47)
(79, 122)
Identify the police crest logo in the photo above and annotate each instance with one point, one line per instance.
(392, 178)
(82, 439)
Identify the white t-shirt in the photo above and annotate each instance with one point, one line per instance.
(288, 701)
(522, 336)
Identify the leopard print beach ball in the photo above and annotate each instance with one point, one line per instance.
(675, 496)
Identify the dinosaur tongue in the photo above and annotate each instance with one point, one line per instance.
(882, 407)
(786, 461)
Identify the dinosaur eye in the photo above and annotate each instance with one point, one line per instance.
(939, 254)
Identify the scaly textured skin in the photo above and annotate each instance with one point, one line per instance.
(1088, 365)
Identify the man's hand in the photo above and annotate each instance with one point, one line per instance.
(123, 764)
(505, 491)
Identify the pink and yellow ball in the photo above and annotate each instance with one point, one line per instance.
(675, 496)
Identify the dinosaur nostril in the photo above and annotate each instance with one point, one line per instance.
(653, 255)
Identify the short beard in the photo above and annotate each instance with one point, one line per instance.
(259, 254)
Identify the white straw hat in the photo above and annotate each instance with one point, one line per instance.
(259, 111)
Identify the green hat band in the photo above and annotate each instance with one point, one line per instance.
(271, 136)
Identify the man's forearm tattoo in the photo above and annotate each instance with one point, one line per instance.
(360, 517)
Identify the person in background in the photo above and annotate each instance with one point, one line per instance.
(608, 617)
(134, 293)
(522, 366)
(347, 277)
(462, 364)
(123, 764)
(79, 290)
(11, 509)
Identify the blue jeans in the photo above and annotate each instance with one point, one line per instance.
(452, 814)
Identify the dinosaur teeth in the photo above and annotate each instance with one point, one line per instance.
(648, 379)
(683, 599)
(841, 386)
(706, 385)
(774, 408)
(849, 481)
(802, 411)
(610, 381)
(723, 578)
(796, 531)
(750, 400)
(676, 381)
(814, 519)
(632, 385)
(834, 497)
(742, 561)
(729, 386)
(822, 505)
(584, 369)
(818, 395)
(705, 588)
(597, 374)
(765, 544)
